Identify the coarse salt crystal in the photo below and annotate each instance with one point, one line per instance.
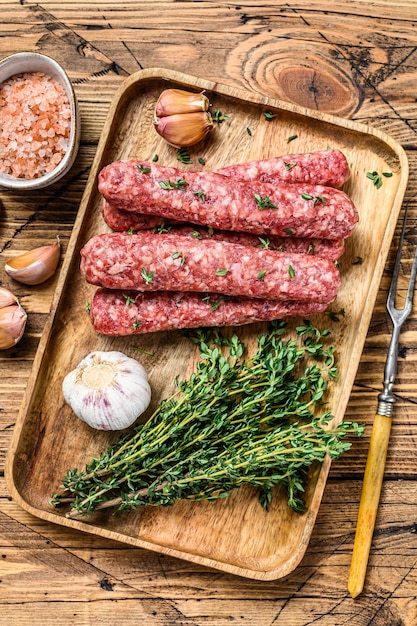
(37, 103)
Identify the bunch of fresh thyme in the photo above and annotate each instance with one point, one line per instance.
(237, 420)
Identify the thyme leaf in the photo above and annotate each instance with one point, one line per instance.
(375, 178)
(261, 275)
(161, 229)
(264, 202)
(180, 183)
(214, 304)
(142, 169)
(128, 299)
(289, 166)
(335, 315)
(147, 276)
(218, 117)
(179, 255)
(184, 156)
(265, 243)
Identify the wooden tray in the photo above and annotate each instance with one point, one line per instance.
(234, 535)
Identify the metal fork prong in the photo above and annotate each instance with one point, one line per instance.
(396, 271)
(398, 316)
(411, 284)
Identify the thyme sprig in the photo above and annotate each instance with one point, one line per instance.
(237, 420)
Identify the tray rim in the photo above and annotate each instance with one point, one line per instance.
(192, 81)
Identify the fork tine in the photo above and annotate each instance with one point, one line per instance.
(399, 315)
(413, 274)
(396, 270)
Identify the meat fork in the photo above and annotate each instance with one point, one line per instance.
(378, 446)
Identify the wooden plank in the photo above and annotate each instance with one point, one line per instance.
(105, 572)
(368, 47)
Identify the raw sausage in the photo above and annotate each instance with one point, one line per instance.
(150, 262)
(207, 198)
(117, 313)
(123, 221)
(331, 249)
(323, 167)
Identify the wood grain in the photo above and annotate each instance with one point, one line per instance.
(368, 51)
(234, 535)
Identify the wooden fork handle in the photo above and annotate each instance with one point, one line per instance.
(368, 506)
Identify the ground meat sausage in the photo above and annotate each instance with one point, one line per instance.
(150, 262)
(123, 221)
(323, 167)
(331, 249)
(119, 313)
(208, 198)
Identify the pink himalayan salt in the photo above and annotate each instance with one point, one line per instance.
(35, 125)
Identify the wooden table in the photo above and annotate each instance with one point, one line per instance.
(353, 59)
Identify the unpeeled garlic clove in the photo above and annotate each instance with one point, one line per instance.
(174, 101)
(184, 129)
(6, 297)
(36, 266)
(12, 325)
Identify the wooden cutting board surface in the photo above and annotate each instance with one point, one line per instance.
(235, 534)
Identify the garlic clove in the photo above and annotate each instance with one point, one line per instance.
(6, 297)
(35, 266)
(173, 101)
(107, 390)
(12, 325)
(183, 130)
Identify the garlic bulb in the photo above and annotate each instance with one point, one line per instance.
(182, 117)
(36, 266)
(12, 325)
(107, 390)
